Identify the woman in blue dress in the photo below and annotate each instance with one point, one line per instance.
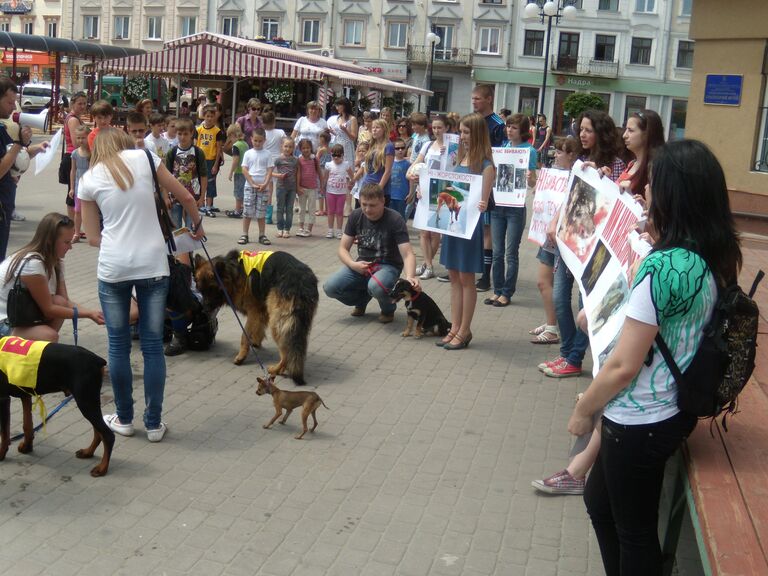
(463, 258)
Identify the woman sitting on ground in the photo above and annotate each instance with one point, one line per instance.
(39, 267)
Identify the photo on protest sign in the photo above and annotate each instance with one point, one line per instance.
(551, 190)
(448, 203)
(448, 160)
(597, 240)
(511, 182)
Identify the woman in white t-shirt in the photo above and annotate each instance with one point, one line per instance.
(119, 183)
(673, 293)
(40, 268)
(343, 127)
(310, 126)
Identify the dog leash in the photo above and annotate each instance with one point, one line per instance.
(232, 306)
(372, 269)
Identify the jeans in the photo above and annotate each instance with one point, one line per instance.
(573, 342)
(285, 200)
(398, 206)
(353, 289)
(507, 226)
(623, 490)
(176, 214)
(115, 299)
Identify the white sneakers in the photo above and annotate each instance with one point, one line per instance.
(153, 435)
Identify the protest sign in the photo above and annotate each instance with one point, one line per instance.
(448, 203)
(511, 171)
(551, 190)
(596, 241)
(448, 159)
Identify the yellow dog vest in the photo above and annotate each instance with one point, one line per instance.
(19, 360)
(254, 260)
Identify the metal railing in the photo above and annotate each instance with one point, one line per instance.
(443, 56)
(584, 66)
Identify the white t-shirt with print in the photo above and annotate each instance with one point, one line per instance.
(159, 145)
(132, 244)
(338, 177)
(257, 162)
(34, 267)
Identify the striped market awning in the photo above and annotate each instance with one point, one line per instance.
(207, 60)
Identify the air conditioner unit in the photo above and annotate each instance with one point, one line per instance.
(327, 52)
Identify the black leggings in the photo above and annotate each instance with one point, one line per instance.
(623, 491)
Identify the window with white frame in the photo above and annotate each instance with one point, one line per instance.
(608, 5)
(491, 1)
(270, 28)
(310, 31)
(230, 25)
(52, 28)
(353, 32)
(534, 43)
(90, 27)
(685, 8)
(397, 35)
(489, 40)
(605, 47)
(645, 5)
(685, 54)
(188, 25)
(29, 27)
(5, 26)
(154, 27)
(640, 52)
(122, 27)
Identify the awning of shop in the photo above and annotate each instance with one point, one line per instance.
(373, 82)
(63, 46)
(264, 49)
(206, 60)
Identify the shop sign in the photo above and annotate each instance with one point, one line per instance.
(25, 58)
(388, 70)
(723, 89)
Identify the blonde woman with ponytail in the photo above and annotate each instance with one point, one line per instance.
(379, 159)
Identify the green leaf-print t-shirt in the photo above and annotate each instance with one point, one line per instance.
(674, 290)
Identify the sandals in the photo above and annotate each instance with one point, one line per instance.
(538, 330)
(441, 343)
(499, 303)
(546, 337)
(243, 239)
(491, 301)
(264, 240)
(463, 343)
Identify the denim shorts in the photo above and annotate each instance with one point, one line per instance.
(239, 182)
(5, 328)
(545, 257)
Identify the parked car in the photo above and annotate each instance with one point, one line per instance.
(35, 97)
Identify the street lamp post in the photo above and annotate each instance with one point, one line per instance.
(551, 10)
(433, 40)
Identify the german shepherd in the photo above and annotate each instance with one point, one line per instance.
(283, 296)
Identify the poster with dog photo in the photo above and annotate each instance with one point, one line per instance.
(511, 176)
(551, 191)
(448, 160)
(452, 203)
(597, 240)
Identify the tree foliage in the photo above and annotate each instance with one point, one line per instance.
(578, 102)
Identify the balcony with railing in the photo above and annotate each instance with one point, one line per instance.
(584, 66)
(459, 57)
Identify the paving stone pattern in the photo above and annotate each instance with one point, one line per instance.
(422, 464)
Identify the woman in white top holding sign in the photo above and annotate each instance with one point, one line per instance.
(430, 154)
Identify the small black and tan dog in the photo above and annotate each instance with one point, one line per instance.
(421, 309)
(61, 368)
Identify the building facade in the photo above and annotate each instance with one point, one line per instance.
(41, 17)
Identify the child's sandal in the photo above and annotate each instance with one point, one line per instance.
(243, 239)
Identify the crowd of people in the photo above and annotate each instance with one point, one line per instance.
(356, 172)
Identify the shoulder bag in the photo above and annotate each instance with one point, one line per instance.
(166, 223)
(23, 310)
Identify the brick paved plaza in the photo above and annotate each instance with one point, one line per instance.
(421, 466)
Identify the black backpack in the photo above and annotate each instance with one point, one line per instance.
(725, 359)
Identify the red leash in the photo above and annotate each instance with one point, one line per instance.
(372, 269)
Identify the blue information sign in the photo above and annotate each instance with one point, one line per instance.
(723, 89)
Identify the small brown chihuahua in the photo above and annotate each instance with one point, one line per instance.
(309, 401)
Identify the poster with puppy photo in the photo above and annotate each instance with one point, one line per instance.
(511, 176)
(448, 160)
(598, 242)
(448, 203)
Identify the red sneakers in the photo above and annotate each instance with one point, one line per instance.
(544, 365)
(560, 483)
(562, 370)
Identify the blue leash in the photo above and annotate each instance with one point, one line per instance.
(67, 399)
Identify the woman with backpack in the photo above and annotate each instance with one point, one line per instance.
(674, 290)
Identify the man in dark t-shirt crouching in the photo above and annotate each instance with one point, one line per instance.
(383, 250)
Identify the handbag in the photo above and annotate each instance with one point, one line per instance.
(166, 222)
(23, 311)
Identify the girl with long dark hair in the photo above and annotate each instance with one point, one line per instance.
(643, 135)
